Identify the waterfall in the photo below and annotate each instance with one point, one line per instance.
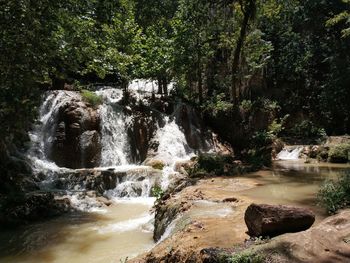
(115, 122)
(41, 136)
(172, 144)
(290, 153)
(115, 147)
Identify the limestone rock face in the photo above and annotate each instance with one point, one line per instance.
(329, 241)
(273, 220)
(76, 141)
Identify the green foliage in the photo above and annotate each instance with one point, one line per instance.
(157, 192)
(91, 98)
(259, 153)
(243, 257)
(125, 260)
(219, 104)
(157, 164)
(344, 17)
(277, 126)
(335, 194)
(247, 257)
(308, 129)
(213, 163)
(339, 153)
(246, 105)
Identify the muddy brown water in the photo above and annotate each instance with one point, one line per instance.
(293, 183)
(125, 228)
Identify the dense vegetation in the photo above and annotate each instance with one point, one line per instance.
(226, 57)
(335, 194)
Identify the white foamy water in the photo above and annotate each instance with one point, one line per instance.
(290, 154)
(146, 86)
(172, 144)
(114, 141)
(41, 136)
(128, 225)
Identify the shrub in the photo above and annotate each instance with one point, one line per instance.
(246, 105)
(335, 194)
(157, 192)
(339, 153)
(213, 163)
(91, 98)
(260, 150)
(219, 104)
(247, 257)
(243, 257)
(307, 128)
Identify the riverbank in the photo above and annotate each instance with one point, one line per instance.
(210, 213)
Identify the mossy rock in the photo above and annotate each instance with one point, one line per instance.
(339, 153)
(155, 164)
(91, 98)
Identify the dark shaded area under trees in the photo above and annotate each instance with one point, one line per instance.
(254, 68)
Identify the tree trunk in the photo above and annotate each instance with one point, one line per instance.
(160, 85)
(165, 86)
(199, 77)
(236, 57)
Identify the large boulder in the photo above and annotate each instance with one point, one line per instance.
(76, 141)
(273, 220)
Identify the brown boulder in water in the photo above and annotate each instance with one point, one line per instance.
(273, 220)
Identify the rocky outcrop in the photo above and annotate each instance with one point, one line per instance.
(141, 130)
(101, 180)
(31, 207)
(89, 179)
(329, 241)
(197, 214)
(76, 141)
(272, 220)
(197, 136)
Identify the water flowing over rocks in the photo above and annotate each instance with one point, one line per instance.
(76, 142)
(78, 148)
(68, 133)
(272, 220)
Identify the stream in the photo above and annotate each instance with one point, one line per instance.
(124, 229)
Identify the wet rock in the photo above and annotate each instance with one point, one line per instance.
(141, 130)
(76, 141)
(90, 179)
(230, 200)
(32, 207)
(197, 135)
(91, 148)
(272, 220)
(155, 164)
(104, 200)
(165, 214)
(184, 166)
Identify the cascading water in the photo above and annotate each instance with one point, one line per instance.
(113, 129)
(172, 144)
(42, 135)
(290, 153)
(129, 217)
